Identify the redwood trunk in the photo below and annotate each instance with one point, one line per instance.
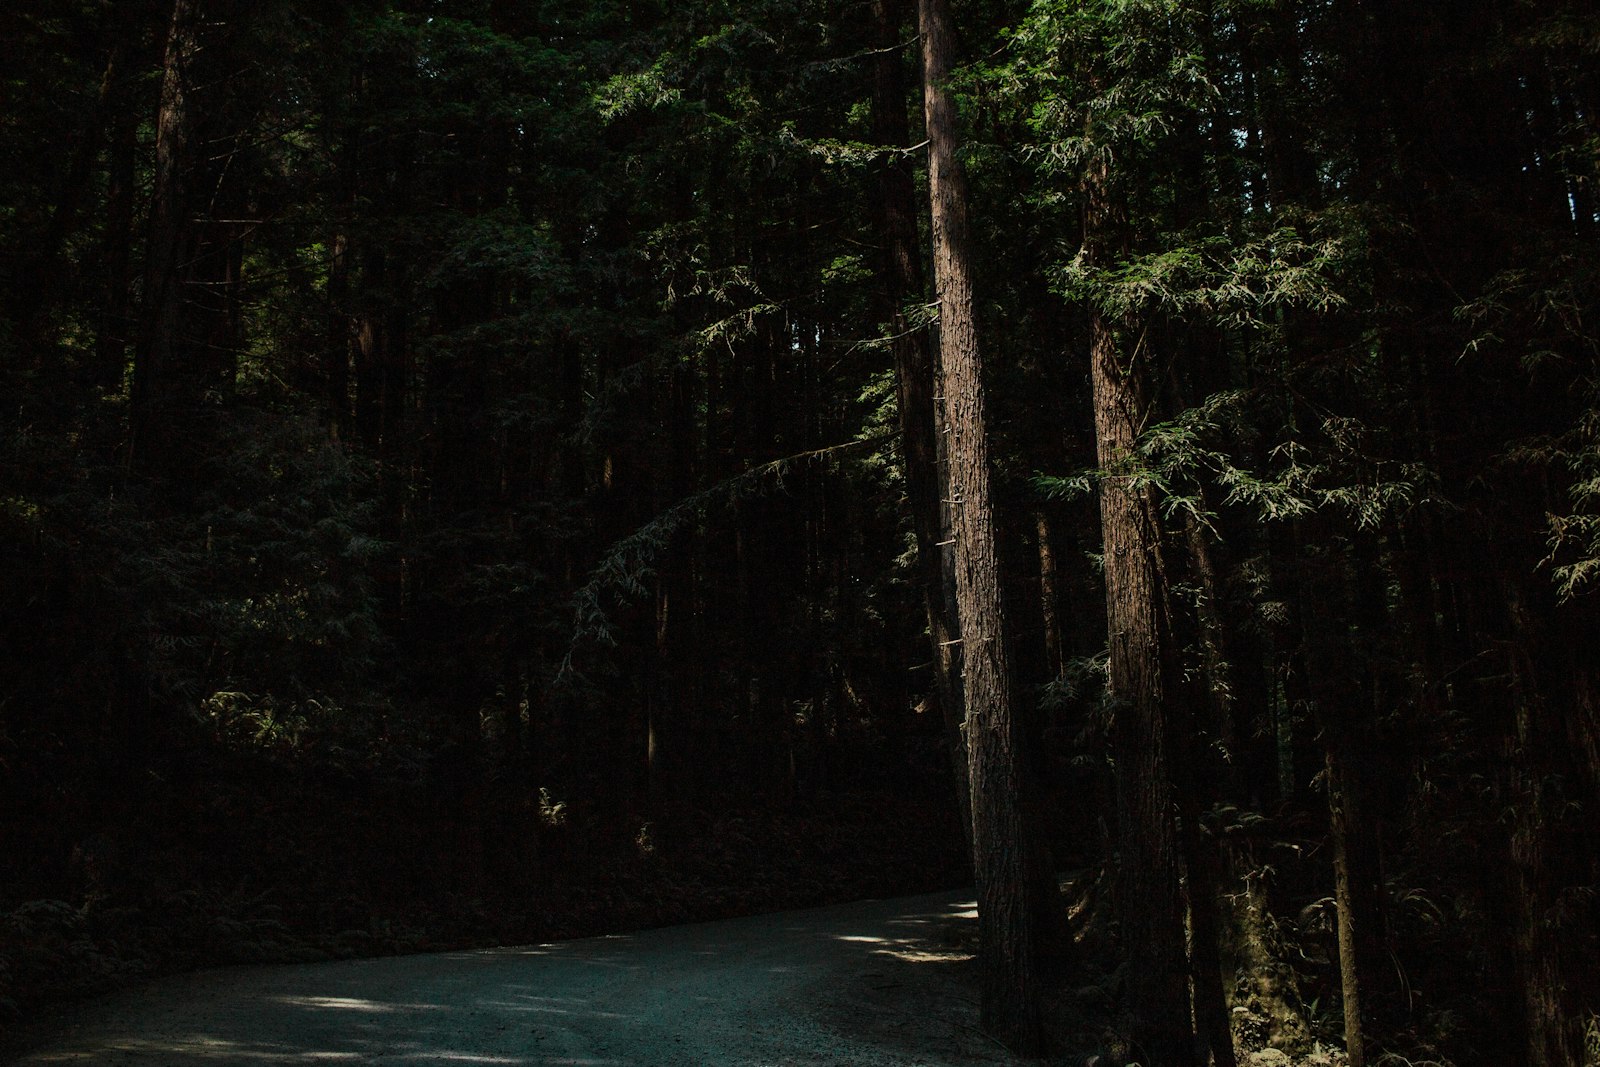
(915, 375)
(1049, 597)
(1010, 1001)
(164, 257)
(1152, 905)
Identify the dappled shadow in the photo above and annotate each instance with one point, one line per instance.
(914, 990)
(873, 983)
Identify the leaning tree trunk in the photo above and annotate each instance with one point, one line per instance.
(1006, 910)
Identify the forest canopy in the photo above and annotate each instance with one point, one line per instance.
(675, 459)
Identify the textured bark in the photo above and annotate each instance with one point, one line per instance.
(1006, 910)
(1151, 901)
(1049, 596)
(1265, 988)
(915, 376)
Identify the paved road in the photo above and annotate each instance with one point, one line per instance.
(880, 982)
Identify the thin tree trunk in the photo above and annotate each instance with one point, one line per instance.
(1344, 817)
(1207, 770)
(111, 342)
(1006, 911)
(1206, 780)
(1204, 868)
(1329, 610)
(163, 301)
(341, 322)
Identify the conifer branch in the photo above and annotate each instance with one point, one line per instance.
(622, 572)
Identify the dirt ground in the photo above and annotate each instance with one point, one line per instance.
(878, 982)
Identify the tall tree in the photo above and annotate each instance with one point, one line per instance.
(994, 734)
(916, 377)
(1141, 675)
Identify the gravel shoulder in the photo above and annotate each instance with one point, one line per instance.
(870, 983)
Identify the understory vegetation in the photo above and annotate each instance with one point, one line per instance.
(477, 471)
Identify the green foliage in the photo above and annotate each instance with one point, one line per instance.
(1574, 541)
(1234, 285)
(1113, 79)
(498, 321)
(1339, 467)
(624, 93)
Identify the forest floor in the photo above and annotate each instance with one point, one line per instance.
(313, 885)
(238, 872)
(877, 982)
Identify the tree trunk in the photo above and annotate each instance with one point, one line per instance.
(1049, 597)
(1344, 819)
(1204, 868)
(1006, 912)
(111, 342)
(1152, 906)
(1331, 612)
(1209, 773)
(341, 323)
(915, 376)
(1551, 1029)
(162, 318)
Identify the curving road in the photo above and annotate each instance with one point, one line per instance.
(878, 982)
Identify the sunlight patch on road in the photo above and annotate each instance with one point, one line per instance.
(922, 955)
(551, 1006)
(199, 1048)
(368, 1007)
(908, 950)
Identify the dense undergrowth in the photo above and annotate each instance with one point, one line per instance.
(242, 859)
(247, 862)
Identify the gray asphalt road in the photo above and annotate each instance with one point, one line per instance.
(880, 982)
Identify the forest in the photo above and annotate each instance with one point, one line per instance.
(475, 470)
